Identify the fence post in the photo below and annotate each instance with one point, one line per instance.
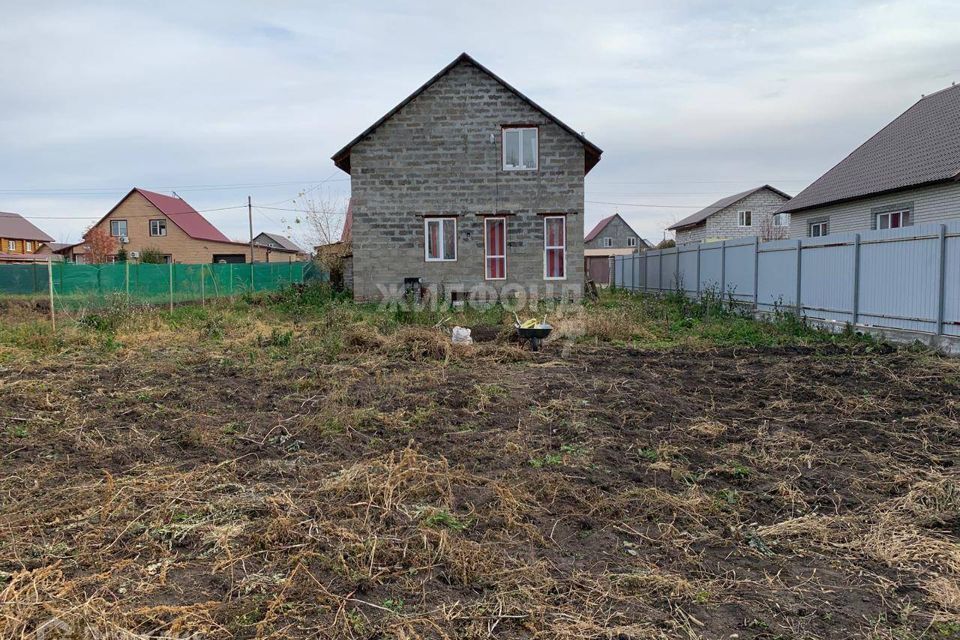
(699, 246)
(856, 280)
(53, 314)
(756, 274)
(660, 271)
(676, 274)
(126, 279)
(799, 271)
(230, 276)
(171, 286)
(723, 268)
(943, 277)
(203, 293)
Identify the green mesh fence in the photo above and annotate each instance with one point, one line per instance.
(85, 285)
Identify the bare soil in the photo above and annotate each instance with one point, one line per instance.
(415, 491)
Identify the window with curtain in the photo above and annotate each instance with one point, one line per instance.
(118, 228)
(441, 239)
(495, 248)
(555, 247)
(893, 219)
(519, 148)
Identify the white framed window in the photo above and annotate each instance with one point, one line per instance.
(607, 243)
(520, 150)
(118, 228)
(440, 239)
(745, 218)
(631, 242)
(818, 229)
(781, 220)
(11, 245)
(893, 219)
(495, 248)
(158, 228)
(555, 248)
(28, 246)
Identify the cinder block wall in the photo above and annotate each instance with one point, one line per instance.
(441, 154)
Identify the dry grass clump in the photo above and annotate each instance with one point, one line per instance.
(363, 335)
(418, 344)
(655, 583)
(708, 428)
(604, 324)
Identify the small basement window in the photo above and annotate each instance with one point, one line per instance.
(441, 239)
(519, 148)
(745, 218)
(158, 228)
(893, 219)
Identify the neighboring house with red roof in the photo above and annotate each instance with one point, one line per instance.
(745, 214)
(20, 240)
(907, 173)
(145, 220)
(612, 236)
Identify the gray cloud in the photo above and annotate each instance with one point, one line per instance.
(690, 101)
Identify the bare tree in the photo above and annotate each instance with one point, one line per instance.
(770, 231)
(323, 217)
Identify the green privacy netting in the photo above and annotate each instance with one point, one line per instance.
(89, 284)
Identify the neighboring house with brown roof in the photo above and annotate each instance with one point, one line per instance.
(20, 239)
(147, 220)
(907, 173)
(467, 184)
(748, 213)
(612, 236)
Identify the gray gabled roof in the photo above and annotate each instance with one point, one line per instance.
(283, 241)
(922, 146)
(721, 204)
(592, 152)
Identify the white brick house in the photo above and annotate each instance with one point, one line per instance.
(745, 214)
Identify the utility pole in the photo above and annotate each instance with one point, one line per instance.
(250, 217)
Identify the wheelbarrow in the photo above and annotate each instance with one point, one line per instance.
(535, 334)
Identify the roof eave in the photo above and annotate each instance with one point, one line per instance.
(883, 192)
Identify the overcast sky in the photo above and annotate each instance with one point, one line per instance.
(690, 101)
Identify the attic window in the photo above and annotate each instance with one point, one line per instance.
(118, 228)
(520, 148)
(745, 218)
(158, 228)
(607, 243)
(631, 242)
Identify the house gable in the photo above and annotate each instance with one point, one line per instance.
(592, 152)
(615, 228)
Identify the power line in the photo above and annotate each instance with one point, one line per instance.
(655, 206)
(96, 191)
(313, 188)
